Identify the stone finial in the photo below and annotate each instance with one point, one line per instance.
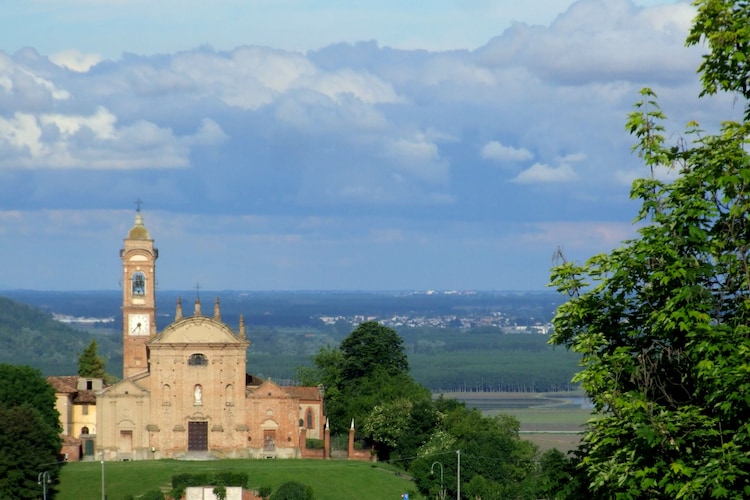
(197, 307)
(242, 327)
(217, 310)
(178, 312)
(352, 427)
(327, 427)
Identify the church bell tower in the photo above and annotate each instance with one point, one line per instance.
(138, 297)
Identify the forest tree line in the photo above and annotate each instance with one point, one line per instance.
(452, 359)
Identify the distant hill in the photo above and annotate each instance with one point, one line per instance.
(288, 328)
(30, 336)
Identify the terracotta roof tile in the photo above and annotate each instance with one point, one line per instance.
(85, 397)
(66, 384)
(304, 393)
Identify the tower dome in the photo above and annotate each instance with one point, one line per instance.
(138, 231)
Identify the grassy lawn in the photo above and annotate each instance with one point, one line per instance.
(329, 479)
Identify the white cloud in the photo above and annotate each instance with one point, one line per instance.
(497, 151)
(101, 123)
(96, 142)
(540, 173)
(75, 60)
(602, 235)
(597, 40)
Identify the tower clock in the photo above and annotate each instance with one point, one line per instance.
(138, 297)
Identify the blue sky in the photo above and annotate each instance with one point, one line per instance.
(293, 144)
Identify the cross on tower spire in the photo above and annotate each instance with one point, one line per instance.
(138, 204)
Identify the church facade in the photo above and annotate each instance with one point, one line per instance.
(185, 389)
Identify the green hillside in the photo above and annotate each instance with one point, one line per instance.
(29, 336)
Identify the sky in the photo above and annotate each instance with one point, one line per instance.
(321, 145)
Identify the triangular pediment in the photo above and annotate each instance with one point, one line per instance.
(268, 389)
(124, 388)
(197, 330)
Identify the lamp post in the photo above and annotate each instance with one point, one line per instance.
(442, 491)
(43, 480)
(458, 475)
(104, 495)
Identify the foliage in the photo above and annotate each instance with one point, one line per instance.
(725, 26)
(293, 490)
(662, 322)
(493, 456)
(90, 364)
(220, 492)
(314, 444)
(554, 473)
(24, 385)
(265, 492)
(372, 347)
(30, 431)
(369, 369)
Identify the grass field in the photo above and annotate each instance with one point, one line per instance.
(549, 420)
(330, 479)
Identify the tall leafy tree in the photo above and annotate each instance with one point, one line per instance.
(29, 430)
(367, 379)
(90, 364)
(663, 323)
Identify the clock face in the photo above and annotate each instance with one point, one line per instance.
(138, 324)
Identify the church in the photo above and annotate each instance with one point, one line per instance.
(185, 390)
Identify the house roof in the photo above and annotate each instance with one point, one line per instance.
(85, 397)
(67, 384)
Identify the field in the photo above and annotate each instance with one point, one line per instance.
(330, 480)
(550, 420)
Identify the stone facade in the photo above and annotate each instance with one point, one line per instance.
(185, 390)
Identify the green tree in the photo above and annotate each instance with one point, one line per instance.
(29, 431)
(24, 385)
(372, 347)
(490, 447)
(293, 490)
(368, 369)
(90, 364)
(662, 322)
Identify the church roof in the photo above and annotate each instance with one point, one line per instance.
(197, 329)
(304, 393)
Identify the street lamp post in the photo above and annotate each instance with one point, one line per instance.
(442, 490)
(458, 475)
(104, 496)
(43, 480)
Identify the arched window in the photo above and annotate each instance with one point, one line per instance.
(84, 430)
(139, 283)
(198, 360)
(309, 418)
